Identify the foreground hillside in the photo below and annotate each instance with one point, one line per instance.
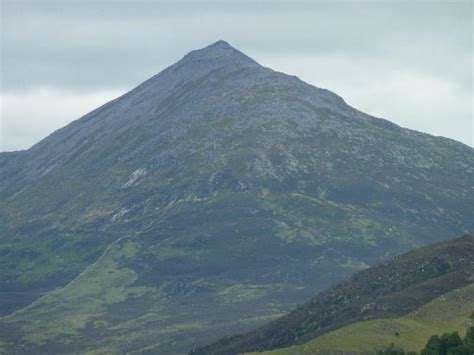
(450, 312)
(396, 288)
(215, 196)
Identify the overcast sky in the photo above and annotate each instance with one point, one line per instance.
(409, 62)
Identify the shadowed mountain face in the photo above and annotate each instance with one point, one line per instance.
(211, 198)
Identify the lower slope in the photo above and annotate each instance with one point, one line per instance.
(450, 312)
(107, 309)
(393, 289)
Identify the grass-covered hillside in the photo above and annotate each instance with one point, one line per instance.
(399, 287)
(453, 311)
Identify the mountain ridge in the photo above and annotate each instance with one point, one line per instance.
(395, 288)
(448, 313)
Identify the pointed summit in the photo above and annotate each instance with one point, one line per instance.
(220, 51)
(220, 43)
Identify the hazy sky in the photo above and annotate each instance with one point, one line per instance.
(409, 62)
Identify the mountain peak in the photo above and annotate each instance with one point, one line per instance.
(220, 51)
(220, 44)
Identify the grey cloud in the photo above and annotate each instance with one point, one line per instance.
(114, 44)
(363, 50)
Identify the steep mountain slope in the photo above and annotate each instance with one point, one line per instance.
(449, 312)
(239, 188)
(397, 287)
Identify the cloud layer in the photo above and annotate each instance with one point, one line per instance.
(409, 62)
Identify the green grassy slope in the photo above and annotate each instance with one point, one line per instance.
(393, 289)
(106, 305)
(450, 312)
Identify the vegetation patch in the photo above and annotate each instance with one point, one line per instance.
(64, 312)
(243, 292)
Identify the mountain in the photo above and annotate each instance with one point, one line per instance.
(432, 287)
(213, 197)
